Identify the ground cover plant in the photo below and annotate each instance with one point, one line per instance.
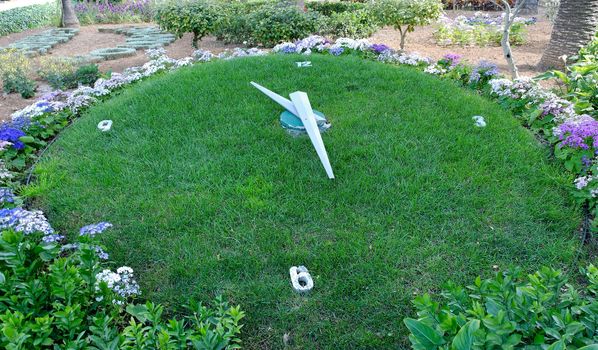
(206, 196)
(22, 18)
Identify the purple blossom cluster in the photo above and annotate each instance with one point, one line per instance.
(94, 229)
(578, 134)
(336, 51)
(483, 71)
(379, 48)
(6, 195)
(12, 135)
(451, 59)
(28, 222)
(104, 11)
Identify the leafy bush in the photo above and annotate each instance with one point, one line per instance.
(405, 15)
(62, 297)
(15, 69)
(480, 29)
(328, 8)
(66, 73)
(351, 24)
(510, 311)
(268, 24)
(234, 25)
(22, 18)
(197, 17)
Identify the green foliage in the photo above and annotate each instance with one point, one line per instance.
(28, 17)
(510, 311)
(580, 79)
(268, 24)
(405, 15)
(197, 17)
(273, 24)
(87, 74)
(66, 73)
(52, 297)
(328, 8)
(351, 24)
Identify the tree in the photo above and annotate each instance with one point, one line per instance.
(69, 18)
(510, 13)
(574, 27)
(405, 15)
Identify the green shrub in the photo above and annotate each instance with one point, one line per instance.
(405, 15)
(270, 24)
(352, 24)
(23, 18)
(66, 73)
(328, 8)
(234, 24)
(87, 74)
(510, 311)
(197, 17)
(65, 299)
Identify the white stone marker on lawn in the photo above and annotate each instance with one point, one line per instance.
(105, 125)
(301, 279)
(300, 106)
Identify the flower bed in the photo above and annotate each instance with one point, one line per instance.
(481, 29)
(570, 132)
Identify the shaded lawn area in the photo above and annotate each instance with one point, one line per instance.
(209, 195)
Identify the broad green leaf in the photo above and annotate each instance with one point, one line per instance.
(559, 345)
(589, 347)
(425, 334)
(464, 339)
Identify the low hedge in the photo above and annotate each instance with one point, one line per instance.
(28, 17)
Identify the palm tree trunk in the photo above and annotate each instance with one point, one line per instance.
(574, 27)
(69, 18)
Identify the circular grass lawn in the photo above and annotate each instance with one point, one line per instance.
(209, 195)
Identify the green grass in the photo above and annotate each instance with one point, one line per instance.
(210, 196)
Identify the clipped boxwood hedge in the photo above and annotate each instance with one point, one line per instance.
(23, 18)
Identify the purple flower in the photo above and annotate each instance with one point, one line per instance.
(10, 134)
(452, 59)
(336, 51)
(25, 221)
(484, 71)
(581, 134)
(94, 229)
(6, 195)
(379, 48)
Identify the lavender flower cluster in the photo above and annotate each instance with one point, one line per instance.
(28, 222)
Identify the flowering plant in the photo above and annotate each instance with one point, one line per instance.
(54, 296)
(481, 29)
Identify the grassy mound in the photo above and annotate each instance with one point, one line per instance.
(209, 195)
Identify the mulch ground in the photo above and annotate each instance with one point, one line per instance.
(421, 41)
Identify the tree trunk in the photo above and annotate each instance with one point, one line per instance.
(574, 27)
(69, 18)
(505, 42)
